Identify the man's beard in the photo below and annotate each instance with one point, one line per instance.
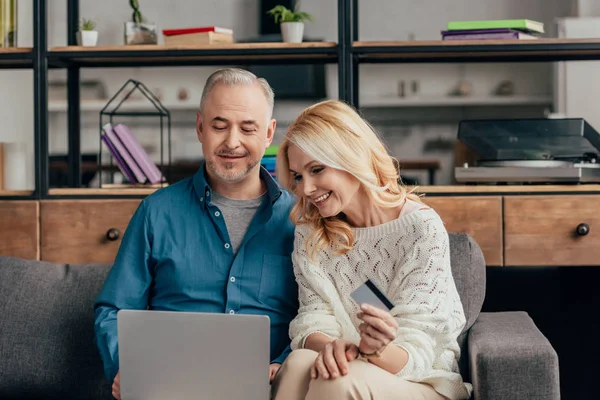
(229, 174)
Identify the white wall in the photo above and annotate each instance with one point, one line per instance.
(406, 130)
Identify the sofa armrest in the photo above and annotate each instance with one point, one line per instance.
(510, 358)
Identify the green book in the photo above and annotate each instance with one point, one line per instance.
(521, 24)
(271, 151)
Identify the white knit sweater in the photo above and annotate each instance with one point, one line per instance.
(409, 260)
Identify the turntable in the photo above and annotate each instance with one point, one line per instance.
(530, 151)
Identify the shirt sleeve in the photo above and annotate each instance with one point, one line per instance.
(427, 305)
(315, 314)
(126, 287)
(281, 359)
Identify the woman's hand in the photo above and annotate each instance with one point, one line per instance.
(332, 361)
(378, 329)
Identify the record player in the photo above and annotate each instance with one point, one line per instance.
(530, 151)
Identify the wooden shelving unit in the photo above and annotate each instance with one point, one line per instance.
(477, 50)
(160, 55)
(18, 57)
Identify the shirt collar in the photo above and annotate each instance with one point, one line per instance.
(204, 191)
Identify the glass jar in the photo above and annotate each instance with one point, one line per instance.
(8, 23)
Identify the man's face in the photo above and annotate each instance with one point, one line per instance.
(235, 128)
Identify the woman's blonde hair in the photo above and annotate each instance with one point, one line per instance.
(334, 134)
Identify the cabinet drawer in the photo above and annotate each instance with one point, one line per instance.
(544, 230)
(76, 231)
(19, 229)
(479, 216)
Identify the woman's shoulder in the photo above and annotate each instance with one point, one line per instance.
(418, 214)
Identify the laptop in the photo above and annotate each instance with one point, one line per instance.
(188, 355)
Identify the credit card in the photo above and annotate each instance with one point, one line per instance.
(368, 293)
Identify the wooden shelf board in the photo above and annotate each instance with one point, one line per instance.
(477, 50)
(458, 43)
(473, 189)
(16, 192)
(231, 46)
(453, 101)
(15, 50)
(190, 54)
(102, 192)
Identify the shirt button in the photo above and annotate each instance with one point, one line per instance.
(207, 193)
(232, 279)
(226, 245)
(201, 198)
(217, 213)
(231, 312)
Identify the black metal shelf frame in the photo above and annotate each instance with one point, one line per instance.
(347, 56)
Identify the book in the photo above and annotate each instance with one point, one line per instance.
(202, 29)
(138, 153)
(122, 151)
(198, 38)
(120, 162)
(477, 34)
(519, 24)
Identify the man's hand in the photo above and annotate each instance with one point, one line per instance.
(273, 368)
(116, 386)
(332, 361)
(378, 329)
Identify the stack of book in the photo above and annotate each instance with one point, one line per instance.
(131, 158)
(198, 36)
(493, 29)
(268, 160)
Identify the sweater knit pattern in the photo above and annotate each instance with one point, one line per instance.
(409, 260)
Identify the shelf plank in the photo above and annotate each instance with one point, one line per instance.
(508, 189)
(477, 50)
(453, 101)
(157, 55)
(15, 193)
(128, 191)
(16, 57)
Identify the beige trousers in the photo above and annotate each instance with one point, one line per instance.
(363, 381)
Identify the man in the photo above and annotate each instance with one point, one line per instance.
(220, 241)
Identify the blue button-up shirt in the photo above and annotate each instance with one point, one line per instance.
(176, 256)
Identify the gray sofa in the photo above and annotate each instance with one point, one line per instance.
(47, 349)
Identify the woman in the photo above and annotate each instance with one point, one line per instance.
(355, 221)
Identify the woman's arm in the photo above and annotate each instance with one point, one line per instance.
(317, 341)
(315, 314)
(427, 309)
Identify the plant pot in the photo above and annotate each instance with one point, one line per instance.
(144, 33)
(87, 38)
(292, 32)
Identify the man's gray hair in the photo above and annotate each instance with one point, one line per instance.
(237, 76)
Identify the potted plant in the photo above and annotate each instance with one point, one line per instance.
(87, 35)
(291, 22)
(137, 31)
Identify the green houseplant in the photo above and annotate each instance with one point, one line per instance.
(87, 34)
(291, 22)
(138, 31)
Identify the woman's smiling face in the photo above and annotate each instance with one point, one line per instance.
(331, 190)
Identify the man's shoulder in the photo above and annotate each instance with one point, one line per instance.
(169, 194)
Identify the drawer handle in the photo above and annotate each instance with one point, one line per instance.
(582, 229)
(113, 234)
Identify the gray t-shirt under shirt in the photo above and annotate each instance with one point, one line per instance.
(237, 214)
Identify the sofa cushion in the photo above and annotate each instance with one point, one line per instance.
(468, 271)
(47, 345)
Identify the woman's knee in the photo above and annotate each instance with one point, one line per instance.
(344, 387)
(300, 360)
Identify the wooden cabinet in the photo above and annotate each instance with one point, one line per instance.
(511, 229)
(19, 229)
(479, 216)
(552, 230)
(83, 231)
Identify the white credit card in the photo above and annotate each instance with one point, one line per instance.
(368, 293)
